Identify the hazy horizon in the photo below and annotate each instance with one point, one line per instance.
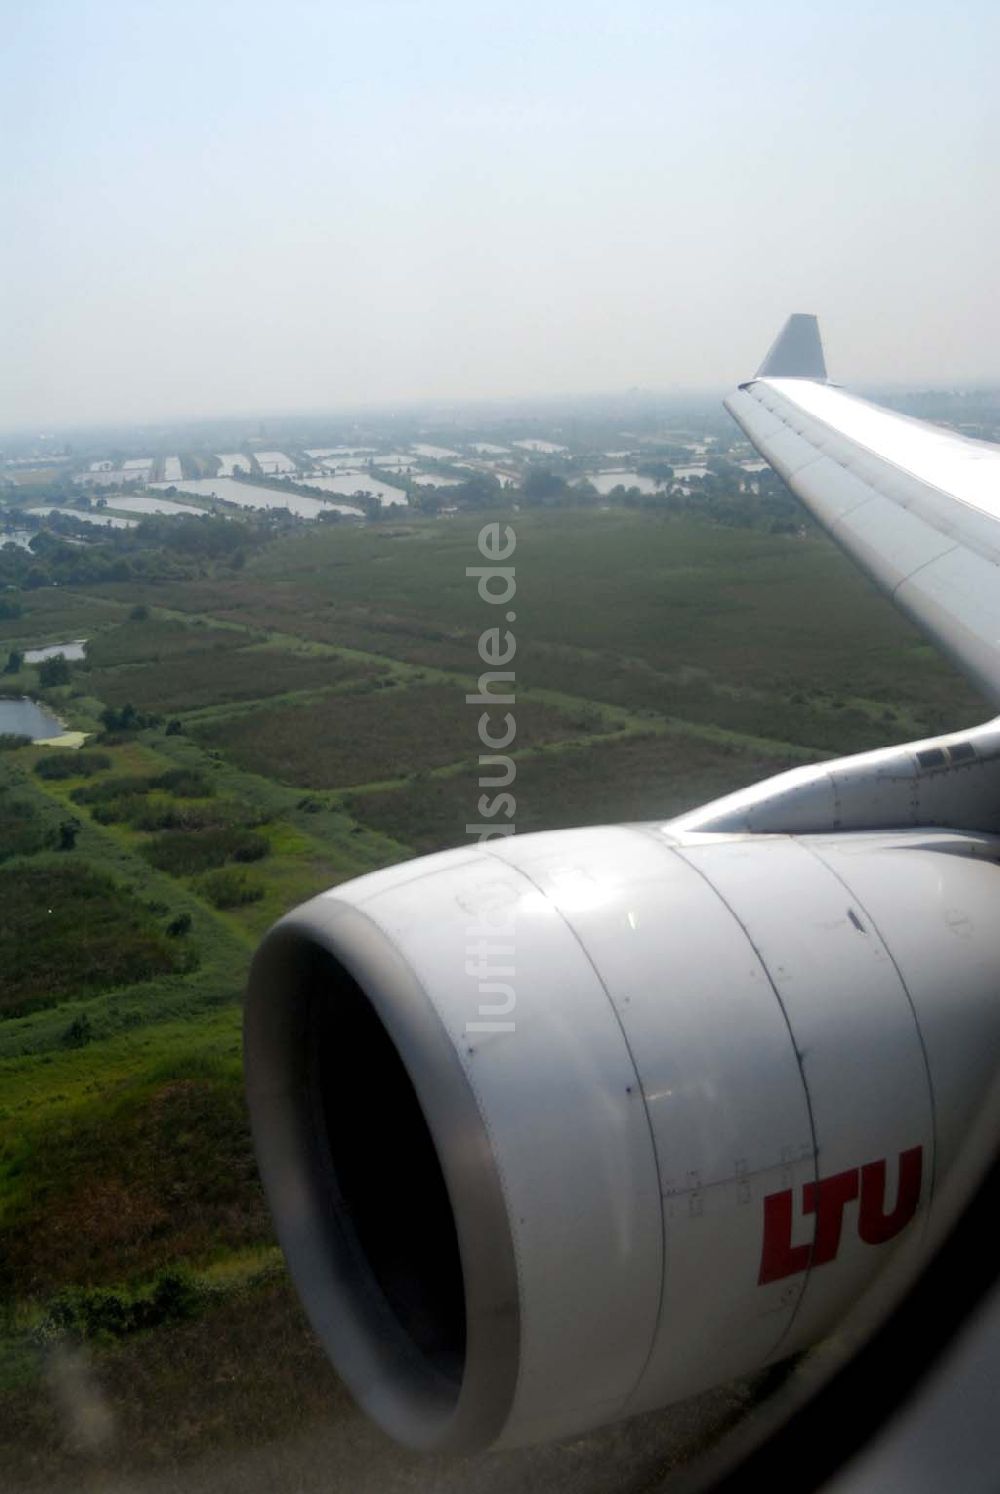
(241, 211)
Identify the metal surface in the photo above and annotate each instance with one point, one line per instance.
(699, 1024)
(916, 506)
(951, 780)
(797, 351)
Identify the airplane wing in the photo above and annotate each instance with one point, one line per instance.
(916, 505)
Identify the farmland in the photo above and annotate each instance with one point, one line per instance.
(297, 721)
(342, 740)
(635, 777)
(186, 682)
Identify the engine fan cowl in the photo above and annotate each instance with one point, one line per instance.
(523, 1110)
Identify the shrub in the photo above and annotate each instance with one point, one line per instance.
(69, 930)
(79, 1033)
(229, 888)
(119, 786)
(186, 783)
(184, 852)
(138, 801)
(21, 830)
(68, 831)
(54, 671)
(72, 764)
(11, 740)
(126, 718)
(104, 1314)
(169, 814)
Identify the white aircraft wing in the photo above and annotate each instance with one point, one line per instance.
(917, 506)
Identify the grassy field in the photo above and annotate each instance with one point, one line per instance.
(50, 905)
(636, 777)
(313, 727)
(144, 639)
(348, 739)
(185, 682)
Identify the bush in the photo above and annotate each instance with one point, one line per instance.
(69, 930)
(185, 852)
(72, 764)
(11, 740)
(54, 671)
(104, 1314)
(229, 888)
(186, 783)
(126, 718)
(169, 814)
(68, 831)
(136, 800)
(79, 1033)
(21, 830)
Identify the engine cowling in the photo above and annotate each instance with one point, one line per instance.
(572, 1125)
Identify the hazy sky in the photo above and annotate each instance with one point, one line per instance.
(214, 207)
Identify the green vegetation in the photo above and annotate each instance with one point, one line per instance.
(155, 549)
(125, 1188)
(633, 778)
(143, 639)
(104, 1314)
(54, 671)
(68, 930)
(22, 829)
(184, 682)
(184, 852)
(348, 739)
(228, 887)
(80, 764)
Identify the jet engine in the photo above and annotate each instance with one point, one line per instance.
(564, 1127)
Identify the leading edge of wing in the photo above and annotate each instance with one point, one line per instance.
(915, 505)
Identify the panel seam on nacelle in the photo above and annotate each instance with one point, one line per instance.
(807, 1274)
(645, 1109)
(804, 842)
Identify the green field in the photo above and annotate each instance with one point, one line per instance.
(347, 739)
(635, 777)
(311, 725)
(185, 682)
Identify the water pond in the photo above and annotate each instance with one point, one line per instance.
(72, 650)
(25, 718)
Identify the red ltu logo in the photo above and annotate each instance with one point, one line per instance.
(827, 1199)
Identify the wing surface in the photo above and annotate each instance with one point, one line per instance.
(917, 506)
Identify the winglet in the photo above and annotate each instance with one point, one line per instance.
(797, 352)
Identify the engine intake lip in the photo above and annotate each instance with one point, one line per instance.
(415, 1396)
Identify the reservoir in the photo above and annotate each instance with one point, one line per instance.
(20, 537)
(606, 482)
(73, 650)
(25, 718)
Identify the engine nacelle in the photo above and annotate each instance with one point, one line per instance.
(572, 1125)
